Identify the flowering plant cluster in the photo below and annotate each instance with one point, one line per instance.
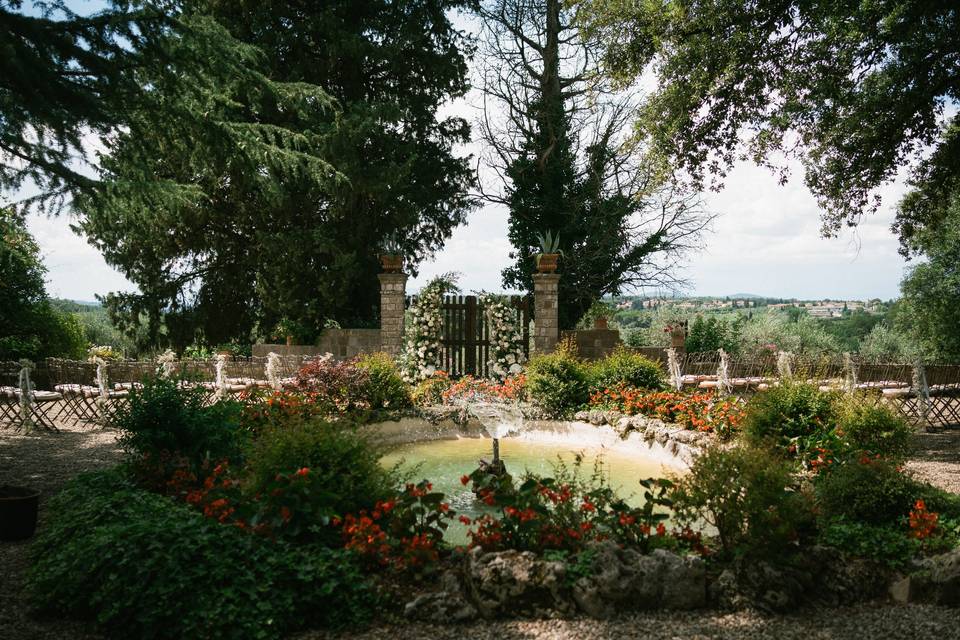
(565, 514)
(429, 391)
(404, 533)
(701, 411)
(422, 352)
(923, 523)
(506, 341)
(283, 509)
(279, 408)
(104, 352)
(473, 389)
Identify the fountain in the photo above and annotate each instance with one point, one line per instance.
(499, 420)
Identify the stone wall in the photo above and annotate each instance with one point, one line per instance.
(342, 343)
(594, 344)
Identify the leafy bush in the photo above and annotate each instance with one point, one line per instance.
(625, 368)
(874, 430)
(747, 494)
(345, 474)
(339, 383)
(558, 382)
(383, 388)
(143, 566)
(429, 391)
(168, 422)
(870, 491)
(887, 544)
(795, 417)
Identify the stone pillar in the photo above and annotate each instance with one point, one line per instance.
(393, 288)
(546, 313)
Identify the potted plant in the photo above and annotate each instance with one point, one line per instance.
(18, 512)
(678, 332)
(391, 254)
(600, 312)
(288, 329)
(550, 252)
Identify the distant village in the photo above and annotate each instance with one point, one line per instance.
(813, 308)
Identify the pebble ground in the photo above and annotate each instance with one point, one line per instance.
(46, 461)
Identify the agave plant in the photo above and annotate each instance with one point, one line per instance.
(549, 243)
(391, 245)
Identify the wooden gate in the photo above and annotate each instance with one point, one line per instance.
(466, 333)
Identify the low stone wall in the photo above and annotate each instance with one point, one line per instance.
(594, 344)
(342, 343)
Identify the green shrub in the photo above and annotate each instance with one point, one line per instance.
(874, 430)
(429, 391)
(383, 388)
(558, 382)
(344, 463)
(887, 544)
(874, 492)
(165, 419)
(795, 417)
(745, 493)
(144, 566)
(625, 368)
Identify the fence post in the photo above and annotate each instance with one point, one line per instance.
(546, 311)
(850, 372)
(273, 360)
(393, 287)
(723, 372)
(221, 379)
(104, 391)
(26, 396)
(922, 390)
(784, 364)
(673, 365)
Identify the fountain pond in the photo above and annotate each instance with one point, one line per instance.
(444, 455)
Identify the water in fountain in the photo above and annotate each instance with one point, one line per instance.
(499, 420)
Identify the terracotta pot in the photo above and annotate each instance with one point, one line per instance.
(600, 322)
(391, 263)
(547, 262)
(678, 339)
(18, 512)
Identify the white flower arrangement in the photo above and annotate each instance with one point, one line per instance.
(506, 356)
(422, 348)
(167, 364)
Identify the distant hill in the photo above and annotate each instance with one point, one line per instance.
(744, 296)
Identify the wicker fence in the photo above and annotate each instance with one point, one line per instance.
(57, 392)
(69, 391)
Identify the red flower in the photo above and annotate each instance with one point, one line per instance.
(302, 472)
(464, 480)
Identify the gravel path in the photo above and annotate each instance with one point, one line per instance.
(47, 461)
(936, 459)
(883, 622)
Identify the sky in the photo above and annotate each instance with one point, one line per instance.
(765, 241)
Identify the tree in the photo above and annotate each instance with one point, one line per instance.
(297, 242)
(856, 90)
(68, 81)
(556, 148)
(29, 326)
(929, 310)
